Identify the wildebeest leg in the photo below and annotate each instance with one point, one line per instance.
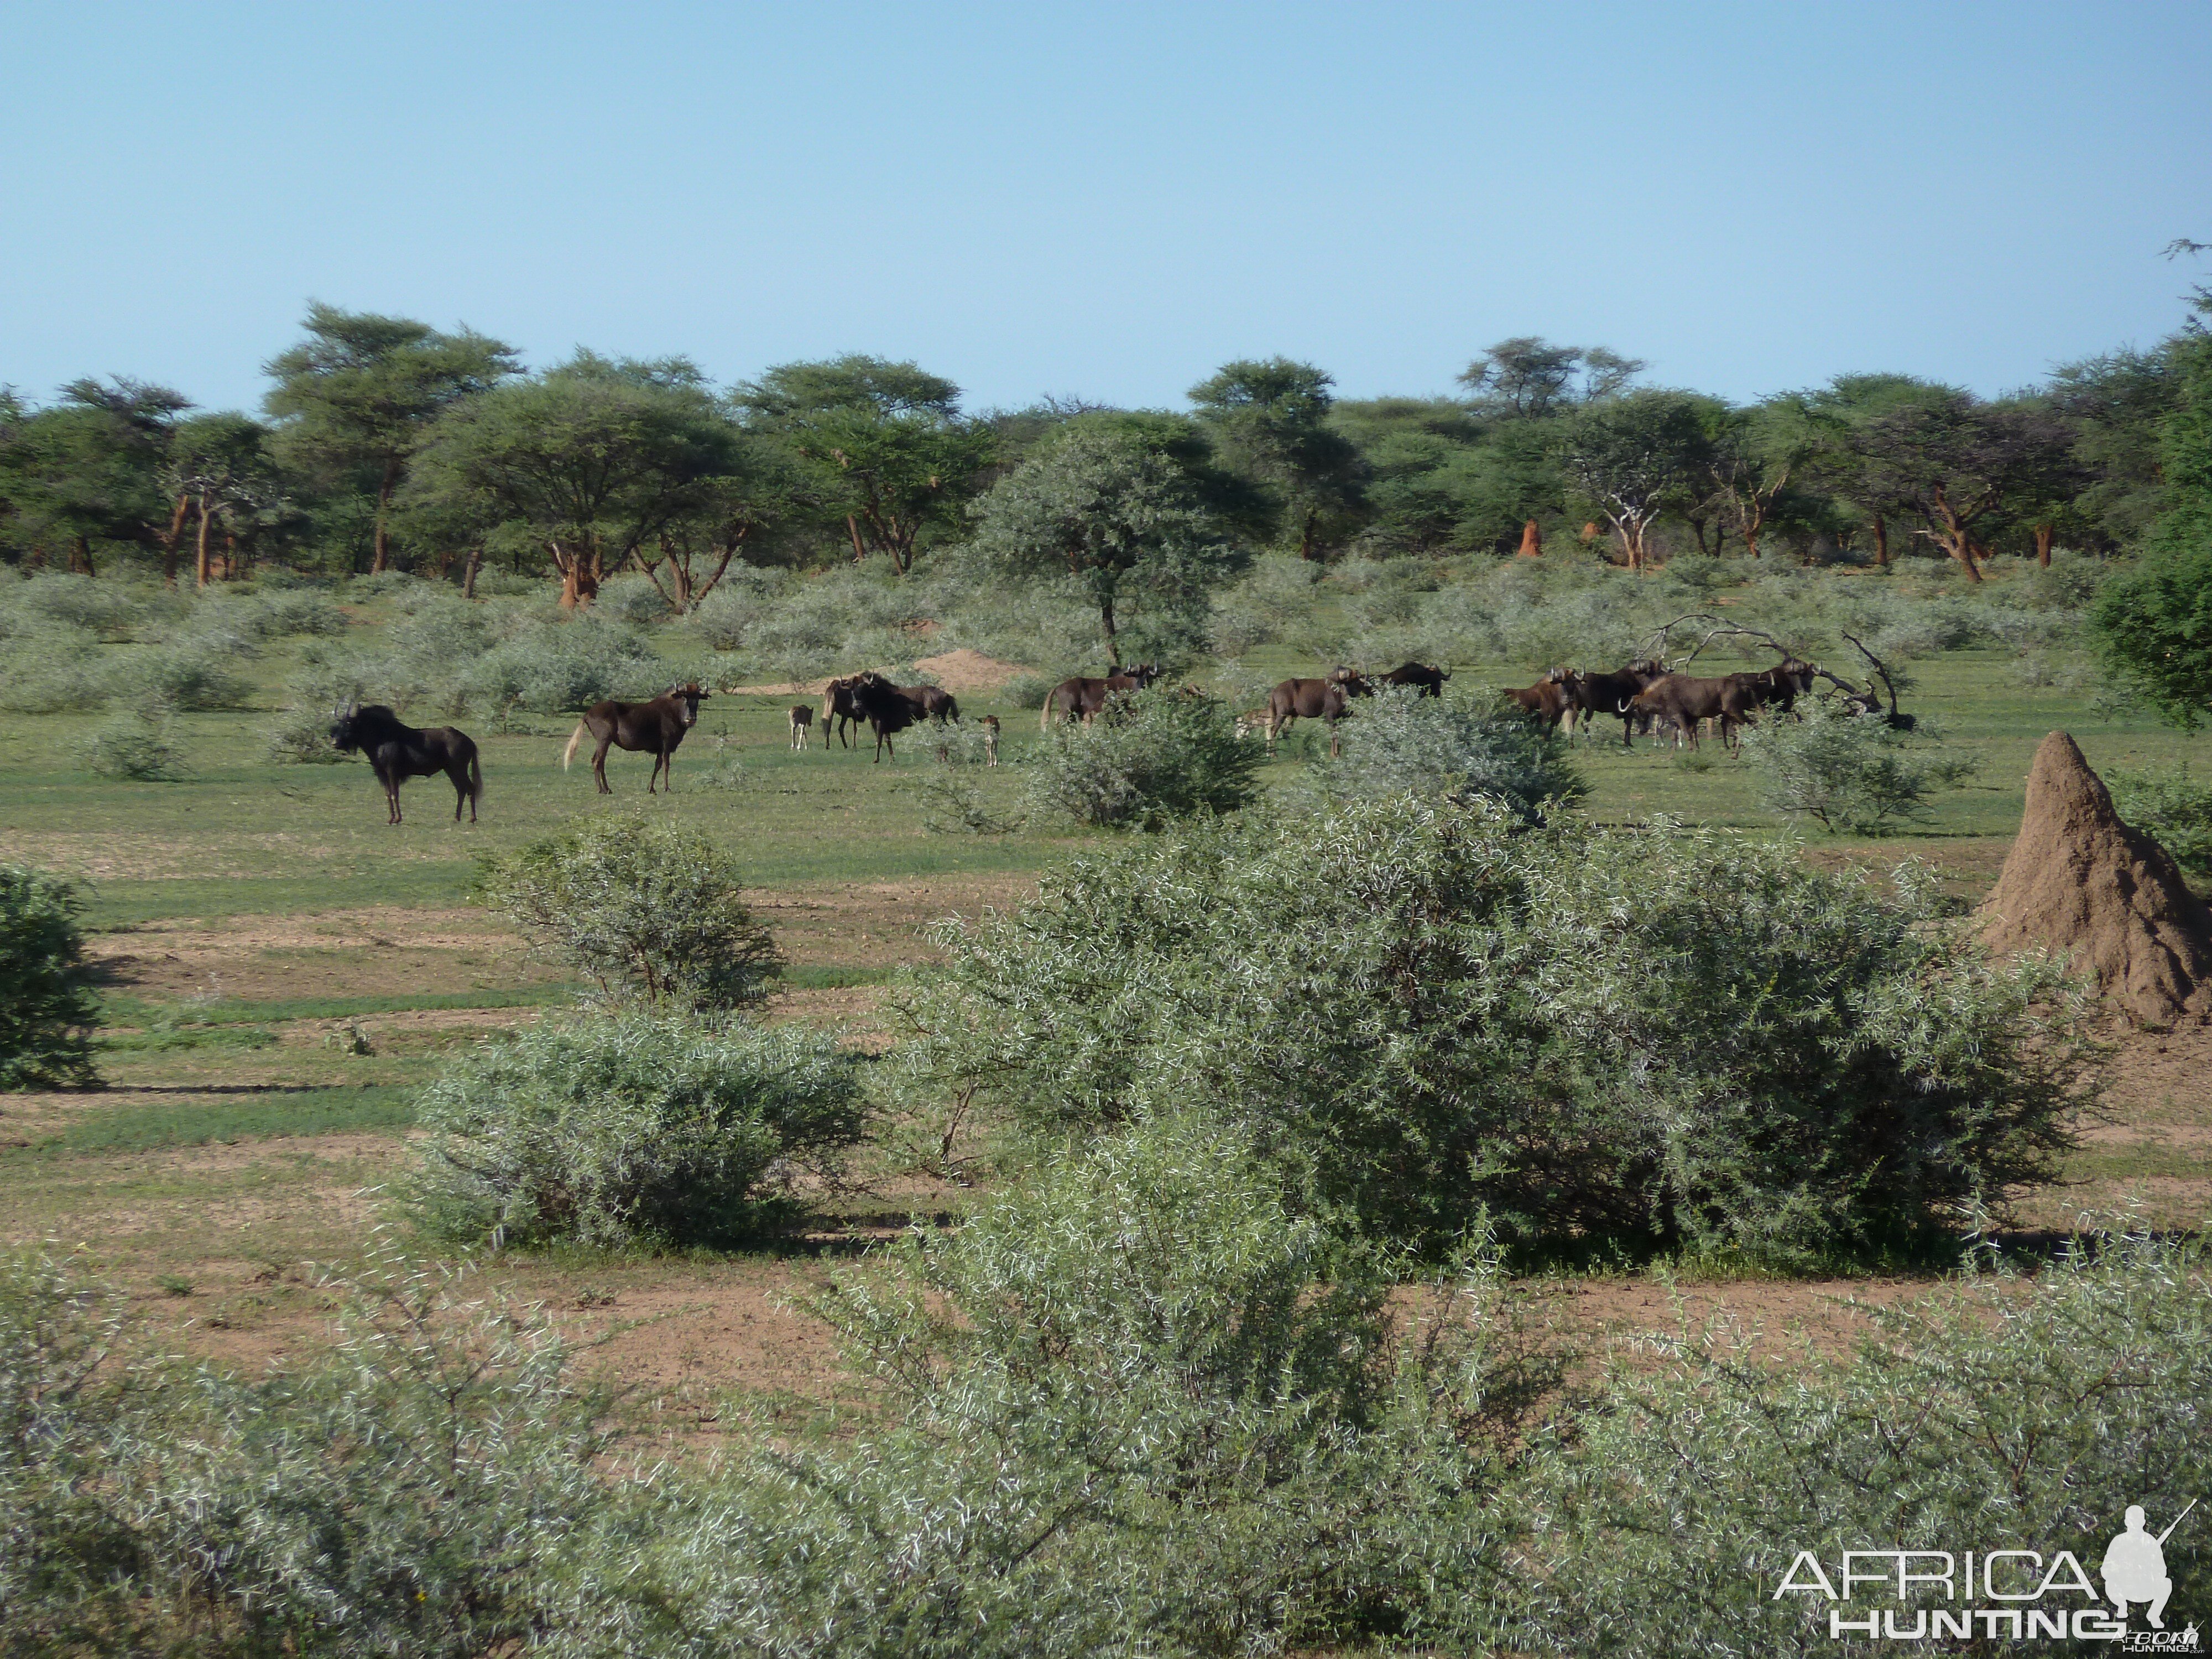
(599, 764)
(389, 777)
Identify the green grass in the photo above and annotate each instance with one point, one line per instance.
(124, 1010)
(385, 1108)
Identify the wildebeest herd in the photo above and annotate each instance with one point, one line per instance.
(1647, 698)
(1642, 694)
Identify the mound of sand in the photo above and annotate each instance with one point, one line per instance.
(2081, 881)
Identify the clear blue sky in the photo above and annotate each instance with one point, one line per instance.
(1107, 200)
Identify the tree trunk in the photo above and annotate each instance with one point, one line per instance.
(203, 573)
(177, 517)
(1532, 541)
(1113, 645)
(1754, 521)
(2043, 546)
(80, 554)
(1881, 542)
(853, 529)
(383, 512)
(1306, 534)
(469, 573)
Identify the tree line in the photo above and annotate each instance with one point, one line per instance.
(386, 443)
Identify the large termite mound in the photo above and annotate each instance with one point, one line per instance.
(2081, 881)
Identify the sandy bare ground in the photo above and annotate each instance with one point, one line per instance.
(960, 671)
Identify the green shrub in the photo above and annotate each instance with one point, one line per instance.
(556, 666)
(1855, 773)
(48, 1009)
(1136, 1408)
(1398, 743)
(50, 669)
(1149, 758)
(138, 746)
(194, 674)
(1027, 690)
(1416, 1010)
(632, 1127)
(2171, 808)
(649, 910)
(1996, 1413)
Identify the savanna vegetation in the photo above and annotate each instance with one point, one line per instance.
(1120, 1188)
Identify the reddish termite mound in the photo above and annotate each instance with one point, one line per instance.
(2081, 881)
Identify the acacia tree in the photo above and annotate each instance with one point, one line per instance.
(1753, 455)
(220, 465)
(882, 446)
(86, 469)
(1529, 379)
(1098, 507)
(1632, 455)
(590, 461)
(690, 553)
(1952, 462)
(1270, 422)
(360, 393)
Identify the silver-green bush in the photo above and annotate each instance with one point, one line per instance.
(651, 910)
(139, 746)
(1149, 758)
(1398, 743)
(1853, 773)
(632, 1127)
(1656, 1038)
(1994, 1414)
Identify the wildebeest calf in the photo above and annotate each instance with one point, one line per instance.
(990, 740)
(802, 723)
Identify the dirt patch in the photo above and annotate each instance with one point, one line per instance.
(878, 923)
(2081, 881)
(964, 670)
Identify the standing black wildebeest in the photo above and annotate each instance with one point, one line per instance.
(1324, 700)
(397, 752)
(841, 709)
(1077, 698)
(1592, 695)
(655, 727)
(1546, 702)
(1431, 681)
(887, 709)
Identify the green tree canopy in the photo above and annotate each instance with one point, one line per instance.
(86, 469)
(220, 466)
(1270, 420)
(1633, 456)
(2153, 623)
(883, 447)
(1121, 519)
(1528, 379)
(359, 394)
(589, 461)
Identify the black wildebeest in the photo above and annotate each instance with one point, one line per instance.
(887, 709)
(930, 702)
(397, 752)
(1431, 681)
(1591, 695)
(1077, 698)
(802, 722)
(655, 727)
(841, 709)
(1728, 700)
(1324, 700)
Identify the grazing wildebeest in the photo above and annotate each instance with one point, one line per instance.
(802, 723)
(1592, 695)
(397, 752)
(930, 702)
(886, 708)
(1430, 680)
(655, 727)
(1546, 702)
(1322, 700)
(1077, 698)
(1689, 700)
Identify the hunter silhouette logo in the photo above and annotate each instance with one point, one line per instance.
(2002, 1593)
(2135, 1566)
